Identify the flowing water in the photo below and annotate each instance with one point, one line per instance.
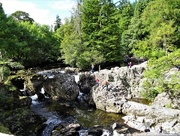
(55, 113)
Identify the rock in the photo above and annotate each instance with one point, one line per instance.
(143, 117)
(23, 121)
(164, 99)
(71, 70)
(25, 102)
(41, 97)
(62, 86)
(119, 130)
(126, 81)
(95, 131)
(116, 125)
(69, 129)
(86, 82)
(56, 85)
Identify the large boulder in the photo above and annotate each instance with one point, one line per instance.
(55, 84)
(22, 121)
(165, 99)
(109, 101)
(61, 86)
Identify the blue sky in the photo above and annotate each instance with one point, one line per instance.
(42, 11)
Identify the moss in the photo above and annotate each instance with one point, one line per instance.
(169, 105)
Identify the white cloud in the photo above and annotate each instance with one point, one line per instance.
(63, 4)
(41, 16)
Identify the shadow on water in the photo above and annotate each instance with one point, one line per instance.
(87, 117)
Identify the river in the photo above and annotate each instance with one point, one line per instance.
(56, 113)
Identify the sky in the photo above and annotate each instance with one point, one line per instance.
(42, 11)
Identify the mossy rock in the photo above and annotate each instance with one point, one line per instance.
(22, 121)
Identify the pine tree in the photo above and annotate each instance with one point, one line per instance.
(57, 23)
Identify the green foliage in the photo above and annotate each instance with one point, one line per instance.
(22, 16)
(71, 43)
(98, 32)
(4, 129)
(135, 31)
(169, 105)
(163, 75)
(159, 28)
(4, 73)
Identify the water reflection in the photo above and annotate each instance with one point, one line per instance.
(85, 116)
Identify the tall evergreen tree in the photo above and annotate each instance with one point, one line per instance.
(136, 30)
(91, 25)
(109, 32)
(57, 23)
(125, 13)
(100, 32)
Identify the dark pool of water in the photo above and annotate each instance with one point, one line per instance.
(87, 117)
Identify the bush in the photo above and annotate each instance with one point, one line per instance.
(163, 75)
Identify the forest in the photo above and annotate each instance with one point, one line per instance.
(99, 32)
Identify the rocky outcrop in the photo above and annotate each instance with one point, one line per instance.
(165, 99)
(154, 119)
(126, 83)
(128, 80)
(55, 84)
(15, 114)
(23, 121)
(140, 116)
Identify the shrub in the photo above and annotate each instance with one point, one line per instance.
(162, 75)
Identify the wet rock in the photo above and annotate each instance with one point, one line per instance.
(56, 85)
(23, 122)
(25, 102)
(119, 130)
(69, 129)
(41, 97)
(95, 131)
(86, 82)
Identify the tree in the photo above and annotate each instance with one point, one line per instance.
(160, 28)
(109, 33)
(136, 30)
(3, 21)
(57, 23)
(100, 33)
(71, 42)
(22, 16)
(2, 43)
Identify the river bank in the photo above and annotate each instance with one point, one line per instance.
(76, 105)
